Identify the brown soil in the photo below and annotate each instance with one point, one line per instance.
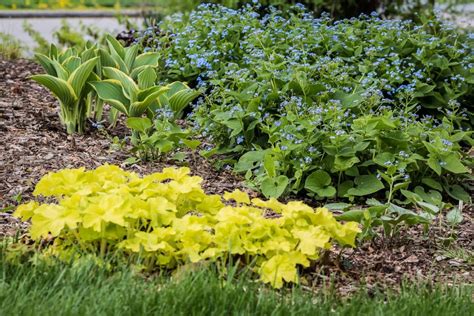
(33, 142)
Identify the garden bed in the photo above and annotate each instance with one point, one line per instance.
(34, 143)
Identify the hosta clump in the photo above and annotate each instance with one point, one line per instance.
(328, 107)
(68, 74)
(166, 219)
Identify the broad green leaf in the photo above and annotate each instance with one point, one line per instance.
(141, 124)
(249, 160)
(344, 163)
(337, 206)
(365, 185)
(60, 88)
(191, 143)
(269, 165)
(352, 216)
(319, 182)
(457, 192)
(434, 165)
(432, 183)
(453, 164)
(274, 187)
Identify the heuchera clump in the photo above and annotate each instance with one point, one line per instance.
(167, 219)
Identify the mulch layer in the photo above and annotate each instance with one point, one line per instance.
(33, 143)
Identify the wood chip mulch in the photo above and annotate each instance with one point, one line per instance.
(33, 143)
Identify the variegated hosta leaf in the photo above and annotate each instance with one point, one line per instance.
(111, 91)
(59, 87)
(178, 97)
(127, 83)
(115, 47)
(61, 71)
(181, 99)
(105, 59)
(147, 59)
(139, 107)
(147, 78)
(130, 56)
(79, 76)
(72, 63)
(46, 63)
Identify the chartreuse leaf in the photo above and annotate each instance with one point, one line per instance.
(238, 196)
(168, 220)
(281, 268)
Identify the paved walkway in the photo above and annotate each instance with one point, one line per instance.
(92, 13)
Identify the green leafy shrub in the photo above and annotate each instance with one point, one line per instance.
(167, 220)
(350, 109)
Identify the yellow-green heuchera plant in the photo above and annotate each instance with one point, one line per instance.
(167, 220)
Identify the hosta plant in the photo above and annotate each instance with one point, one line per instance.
(137, 97)
(127, 96)
(165, 220)
(67, 77)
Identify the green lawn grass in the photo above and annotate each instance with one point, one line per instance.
(86, 289)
